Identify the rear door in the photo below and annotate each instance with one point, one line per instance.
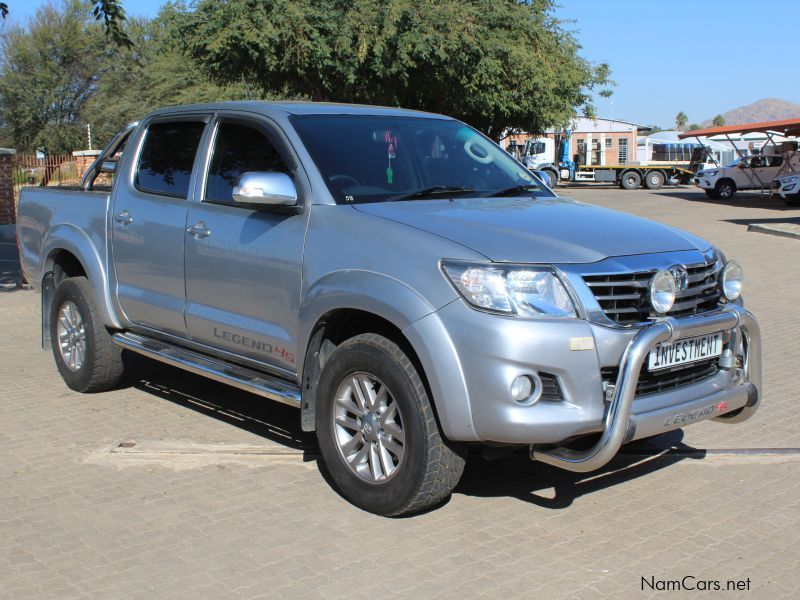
(243, 265)
(149, 222)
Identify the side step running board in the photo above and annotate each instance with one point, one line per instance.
(213, 368)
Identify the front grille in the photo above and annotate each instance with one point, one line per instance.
(668, 379)
(623, 296)
(551, 388)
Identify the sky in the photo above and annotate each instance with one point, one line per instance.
(699, 57)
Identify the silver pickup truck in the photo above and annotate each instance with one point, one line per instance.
(397, 277)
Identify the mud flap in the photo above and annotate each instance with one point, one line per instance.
(48, 289)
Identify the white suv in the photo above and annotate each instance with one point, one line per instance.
(748, 173)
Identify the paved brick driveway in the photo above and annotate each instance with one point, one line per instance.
(174, 486)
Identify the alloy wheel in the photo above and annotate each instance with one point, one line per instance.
(71, 336)
(368, 428)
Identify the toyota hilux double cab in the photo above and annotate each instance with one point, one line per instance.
(745, 173)
(398, 278)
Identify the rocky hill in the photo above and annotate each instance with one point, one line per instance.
(768, 109)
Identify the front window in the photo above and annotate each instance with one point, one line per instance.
(734, 163)
(366, 158)
(239, 149)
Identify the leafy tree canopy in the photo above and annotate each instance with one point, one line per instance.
(681, 119)
(109, 11)
(59, 74)
(47, 74)
(718, 121)
(496, 64)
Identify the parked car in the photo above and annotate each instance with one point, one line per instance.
(788, 188)
(748, 173)
(399, 279)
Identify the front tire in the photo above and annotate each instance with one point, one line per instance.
(712, 194)
(725, 189)
(378, 433)
(85, 355)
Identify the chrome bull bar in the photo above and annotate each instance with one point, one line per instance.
(618, 417)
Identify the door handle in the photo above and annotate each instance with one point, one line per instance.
(199, 230)
(124, 218)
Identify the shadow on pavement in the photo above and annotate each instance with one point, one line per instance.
(9, 267)
(270, 420)
(740, 200)
(515, 476)
(794, 220)
(529, 481)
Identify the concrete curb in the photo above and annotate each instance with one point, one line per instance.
(789, 230)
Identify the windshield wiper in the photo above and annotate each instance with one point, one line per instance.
(437, 190)
(517, 190)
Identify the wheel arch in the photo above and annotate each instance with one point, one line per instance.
(334, 313)
(69, 252)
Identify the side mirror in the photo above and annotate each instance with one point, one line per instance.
(266, 189)
(108, 166)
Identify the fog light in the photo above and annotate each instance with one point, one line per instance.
(732, 280)
(526, 389)
(662, 291)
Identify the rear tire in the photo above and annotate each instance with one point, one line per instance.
(85, 355)
(630, 180)
(553, 177)
(654, 180)
(725, 189)
(377, 430)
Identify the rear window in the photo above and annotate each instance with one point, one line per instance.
(167, 158)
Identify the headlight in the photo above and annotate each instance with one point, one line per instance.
(662, 291)
(786, 180)
(710, 173)
(732, 276)
(513, 290)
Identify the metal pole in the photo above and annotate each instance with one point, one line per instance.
(89, 134)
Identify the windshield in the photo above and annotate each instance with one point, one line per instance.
(366, 158)
(734, 163)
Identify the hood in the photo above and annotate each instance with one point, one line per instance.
(542, 230)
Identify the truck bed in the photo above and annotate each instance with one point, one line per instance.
(48, 214)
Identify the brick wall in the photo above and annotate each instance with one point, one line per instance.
(8, 209)
(84, 159)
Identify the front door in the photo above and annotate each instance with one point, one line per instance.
(243, 265)
(149, 224)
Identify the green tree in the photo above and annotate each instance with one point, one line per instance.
(109, 11)
(497, 65)
(152, 73)
(681, 120)
(694, 127)
(718, 121)
(46, 76)
(60, 74)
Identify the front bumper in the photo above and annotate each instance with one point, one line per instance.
(622, 423)
(705, 183)
(788, 192)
